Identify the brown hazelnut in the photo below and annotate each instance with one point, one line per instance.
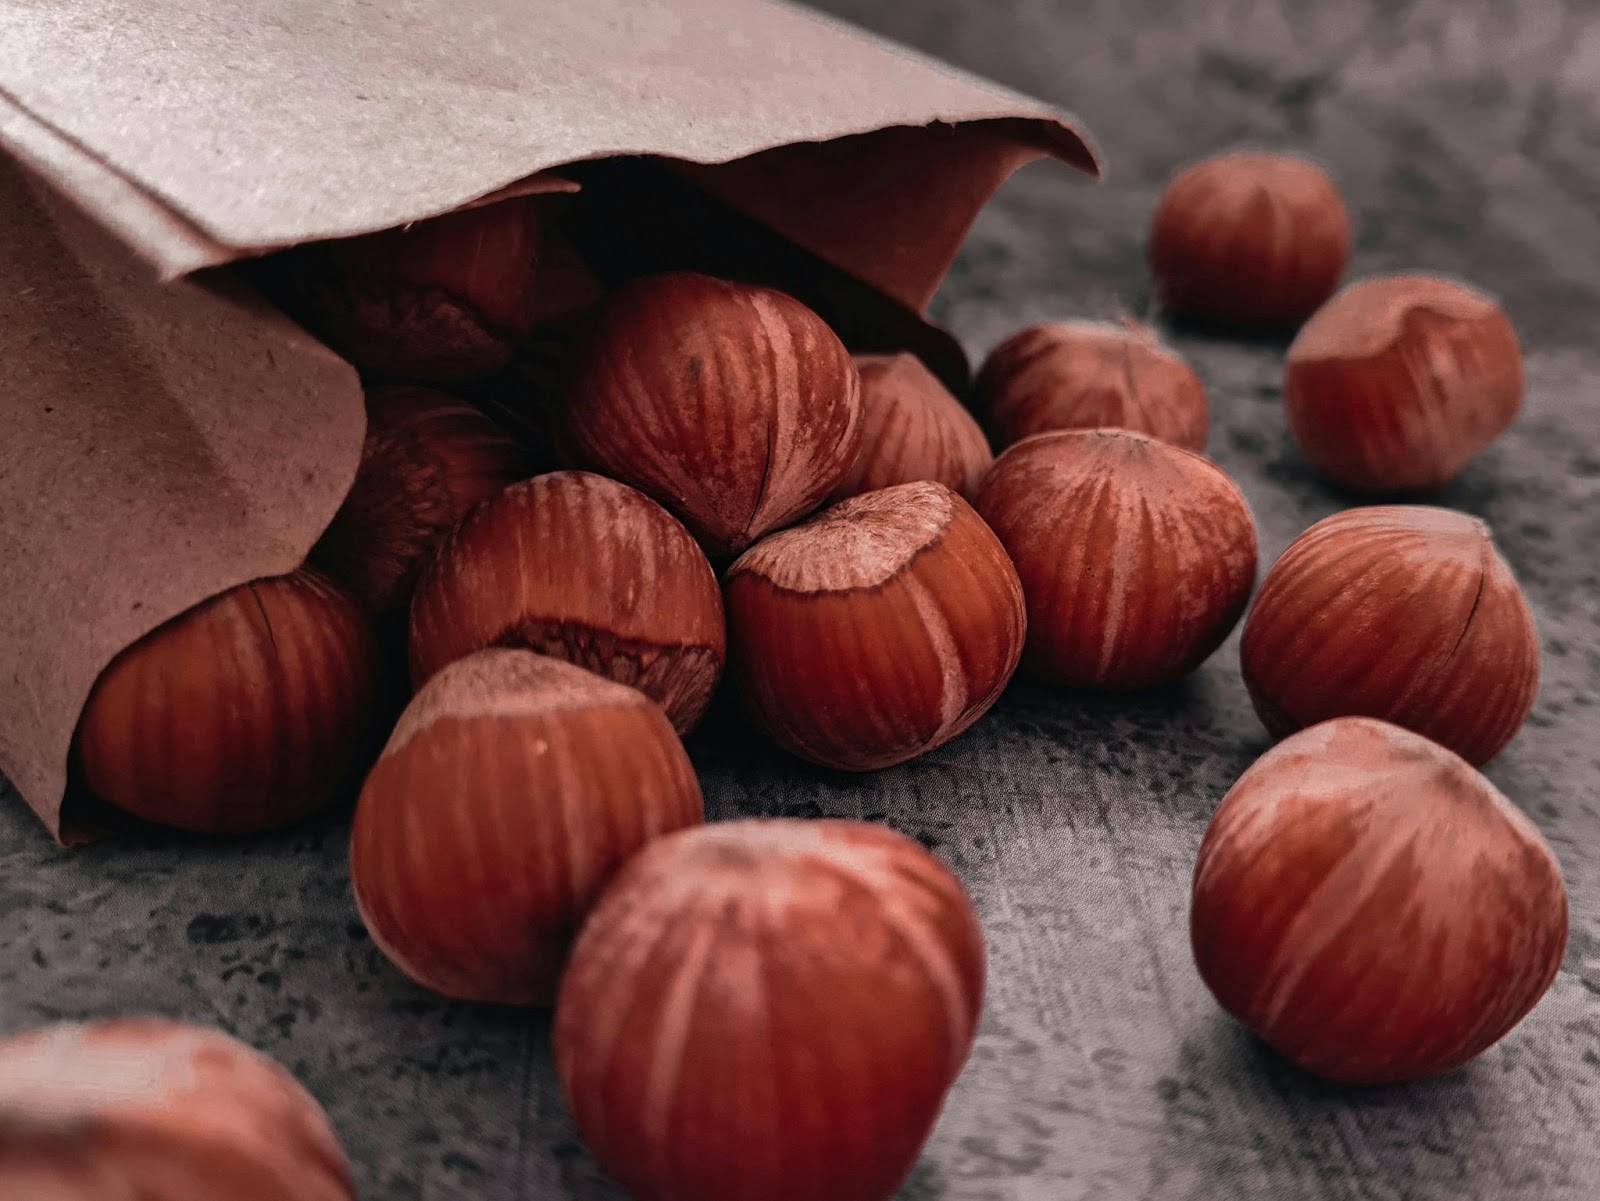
(769, 1010)
(1400, 612)
(734, 406)
(1255, 240)
(1398, 381)
(1136, 556)
(1371, 906)
(251, 711)
(428, 459)
(583, 568)
(880, 629)
(441, 301)
(913, 429)
(513, 788)
(1091, 375)
(141, 1109)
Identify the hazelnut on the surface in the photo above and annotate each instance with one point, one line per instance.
(880, 629)
(1249, 239)
(1398, 381)
(512, 789)
(1136, 557)
(1371, 906)
(144, 1108)
(1091, 375)
(769, 1009)
(1401, 612)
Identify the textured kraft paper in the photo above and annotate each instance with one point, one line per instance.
(169, 437)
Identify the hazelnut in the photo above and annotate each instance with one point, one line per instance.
(513, 788)
(1398, 381)
(142, 1108)
(1402, 612)
(1255, 240)
(250, 711)
(442, 301)
(428, 459)
(1136, 556)
(588, 570)
(1091, 375)
(881, 629)
(769, 1009)
(913, 429)
(734, 406)
(1372, 907)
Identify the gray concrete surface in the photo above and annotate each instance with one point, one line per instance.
(1466, 134)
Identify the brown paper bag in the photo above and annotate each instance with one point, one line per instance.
(168, 435)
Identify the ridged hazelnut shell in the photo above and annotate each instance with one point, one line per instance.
(734, 406)
(145, 1108)
(442, 301)
(1401, 612)
(514, 787)
(769, 1011)
(1136, 557)
(1371, 906)
(1398, 381)
(1091, 375)
(427, 460)
(1249, 239)
(588, 570)
(913, 429)
(877, 631)
(250, 711)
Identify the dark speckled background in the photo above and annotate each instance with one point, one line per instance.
(1466, 134)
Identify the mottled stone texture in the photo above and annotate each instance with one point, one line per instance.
(1466, 134)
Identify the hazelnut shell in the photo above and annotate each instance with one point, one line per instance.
(513, 788)
(586, 569)
(1370, 905)
(1136, 557)
(877, 631)
(1400, 612)
(734, 406)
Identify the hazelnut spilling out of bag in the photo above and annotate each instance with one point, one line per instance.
(776, 1010)
(251, 711)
